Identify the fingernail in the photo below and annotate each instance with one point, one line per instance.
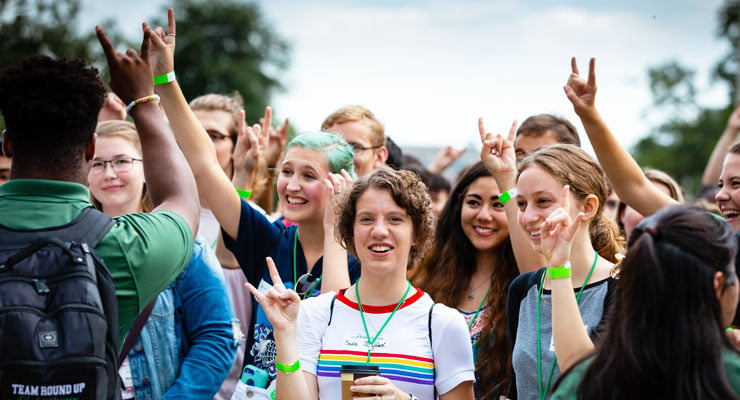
(565, 89)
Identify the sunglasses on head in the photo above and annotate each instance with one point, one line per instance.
(306, 284)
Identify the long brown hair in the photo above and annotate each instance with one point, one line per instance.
(445, 274)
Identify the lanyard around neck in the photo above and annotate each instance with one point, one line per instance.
(371, 342)
(480, 307)
(540, 390)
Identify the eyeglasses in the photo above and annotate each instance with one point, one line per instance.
(306, 284)
(118, 164)
(215, 135)
(356, 148)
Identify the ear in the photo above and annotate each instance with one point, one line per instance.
(590, 206)
(719, 283)
(381, 156)
(7, 144)
(90, 147)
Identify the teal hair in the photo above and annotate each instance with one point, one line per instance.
(339, 155)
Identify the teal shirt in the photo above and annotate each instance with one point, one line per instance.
(144, 252)
(568, 388)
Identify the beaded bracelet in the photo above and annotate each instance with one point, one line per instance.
(288, 368)
(146, 99)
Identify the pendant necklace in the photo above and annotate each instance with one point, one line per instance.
(471, 295)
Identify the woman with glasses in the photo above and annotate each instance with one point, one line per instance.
(417, 349)
(315, 168)
(186, 347)
(677, 292)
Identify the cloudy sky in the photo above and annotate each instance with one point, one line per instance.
(429, 69)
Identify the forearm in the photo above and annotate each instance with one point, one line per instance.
(290, 385)
(169, 184)
(569, 334)
(624, 173)
(335, 275)
(714, 165)
(201, 156)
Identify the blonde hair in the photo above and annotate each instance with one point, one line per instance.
(357, 113)
(571, 166)
(126, 131)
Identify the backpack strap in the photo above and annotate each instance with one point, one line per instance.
(434, 370)
(135, 331)
(331, 309)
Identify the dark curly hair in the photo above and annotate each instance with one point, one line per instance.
(407, 191)
(50, 109)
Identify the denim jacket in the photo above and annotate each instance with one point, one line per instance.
(187, 346)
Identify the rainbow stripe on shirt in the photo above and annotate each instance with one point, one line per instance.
(396, 367)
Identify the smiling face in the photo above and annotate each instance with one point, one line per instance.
(300, 184)
(482, 215)
(539, 195)
(728, 197)
(383, 234)
(118, 192)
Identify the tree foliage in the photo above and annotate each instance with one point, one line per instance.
(225, 46)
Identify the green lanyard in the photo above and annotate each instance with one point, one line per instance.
(364, 324)
(540, 390)
(295, 245)
(480, 307)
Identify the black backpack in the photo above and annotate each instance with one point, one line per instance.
(58, 313)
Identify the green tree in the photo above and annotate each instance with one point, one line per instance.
(225, 46)
(680, 146)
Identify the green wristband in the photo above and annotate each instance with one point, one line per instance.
(507, 195)
(164, 78)
(244, 194)
(288, 368)
(563, 271)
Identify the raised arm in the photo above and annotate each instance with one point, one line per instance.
(192, 138)
(499, 159)
(623, 172)
(281, 306)
(728, 138)
(335, 274)
(170, 186)
(569, 335)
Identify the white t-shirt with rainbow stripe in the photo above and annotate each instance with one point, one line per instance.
(402, 351)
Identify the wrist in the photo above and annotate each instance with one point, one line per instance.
(560, 271)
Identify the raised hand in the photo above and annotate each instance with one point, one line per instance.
(281, 305)
(247, 154)
(497, 153)
(444, 159)
(558, 231)
(582, 93)
(278, 139)
(130, 73)
(114, 109)
(336, 186)
(162, 51)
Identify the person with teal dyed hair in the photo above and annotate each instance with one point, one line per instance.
(316, 168)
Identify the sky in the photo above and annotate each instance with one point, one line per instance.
(429, 69)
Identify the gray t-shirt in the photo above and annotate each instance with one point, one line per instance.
(525, 327)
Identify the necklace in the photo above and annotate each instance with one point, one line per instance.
(471, 295)
(371, 342)
(480, 307)
(543, 391)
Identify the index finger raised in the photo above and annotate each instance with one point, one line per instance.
(106, 44)
(573, 65)
(274, 274)
(171, 22)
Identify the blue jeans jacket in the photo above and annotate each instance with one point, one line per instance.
(187, 346)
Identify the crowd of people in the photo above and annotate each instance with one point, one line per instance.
(250, 266)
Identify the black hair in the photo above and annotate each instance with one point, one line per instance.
(50, 109)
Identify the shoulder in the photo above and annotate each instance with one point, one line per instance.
(523, 282)
(567, 387)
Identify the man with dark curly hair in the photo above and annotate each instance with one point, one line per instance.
(50, 109)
